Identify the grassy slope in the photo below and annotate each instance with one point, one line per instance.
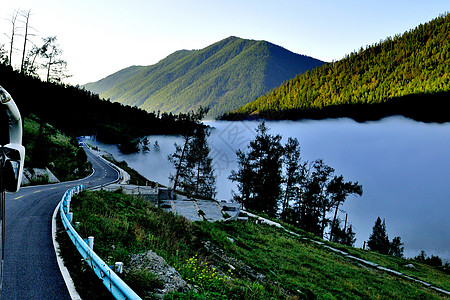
(288, 266)
(224, 76)
(54, 150)
(416, 62)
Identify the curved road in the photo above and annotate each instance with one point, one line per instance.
(30, 267)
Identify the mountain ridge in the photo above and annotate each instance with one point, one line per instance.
(416, 63)
(222, 76)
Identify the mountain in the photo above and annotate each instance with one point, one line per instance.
(408, 74)
(78, 112)
(223, 76)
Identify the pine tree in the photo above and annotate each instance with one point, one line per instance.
(321, 176)
(396, 248)
(202, 182)
(178, 159)
(194, 171)
(294, 173)
(244, 179)
(313, 201)
(183, 172)
(339, 190)
(259, 174)
(344, 236)
(378, 240)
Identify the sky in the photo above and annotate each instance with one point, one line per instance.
(100, 37)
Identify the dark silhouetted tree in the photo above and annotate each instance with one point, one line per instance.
(259, 173)
(396, 248)
(201, 183)
(379, 240)
(294, 174)
(339, 190)
(194, 155)
(26, 15)
(244, 179)
(344, 236)
(13, 20)
(313, 201)
(434, 261)
(54, 65)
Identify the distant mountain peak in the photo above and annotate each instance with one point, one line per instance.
(223, 76)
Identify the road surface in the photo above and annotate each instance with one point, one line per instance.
(30, 267)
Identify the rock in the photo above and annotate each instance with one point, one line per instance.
(410, 266)
(37, 174)
(157, 265)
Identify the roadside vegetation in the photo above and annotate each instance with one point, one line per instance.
(48, 147)
(238, 260)
(135, 177)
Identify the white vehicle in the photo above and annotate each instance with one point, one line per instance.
(12, 156)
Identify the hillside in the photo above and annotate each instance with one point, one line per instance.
(223, 76)
(47, 147)
(389, 72)
(76, 111)
(235, 259)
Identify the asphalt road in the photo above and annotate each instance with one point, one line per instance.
(30, 267)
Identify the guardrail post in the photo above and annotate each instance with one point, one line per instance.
(118, 267)
(70, 217)
(118, 288)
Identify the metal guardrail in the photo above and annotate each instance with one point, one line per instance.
(118, 288)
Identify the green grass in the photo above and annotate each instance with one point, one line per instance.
(420, 271)
(54, 150)
(86, 282)
(305, 266)
(135, 177)
(266, 262)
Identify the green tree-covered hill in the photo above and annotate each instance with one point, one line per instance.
(223, 76)
(76, 111)
(390, 77)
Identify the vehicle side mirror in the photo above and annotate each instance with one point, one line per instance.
(14, 156)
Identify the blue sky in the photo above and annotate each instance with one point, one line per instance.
(99, 37)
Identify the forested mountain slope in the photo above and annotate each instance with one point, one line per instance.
(223, 76)
(105, 84)
(416, 63)
(78, 112)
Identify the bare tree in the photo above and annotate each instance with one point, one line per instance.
(56, 67)
(13, 21)
(26, 15)
(30, 67)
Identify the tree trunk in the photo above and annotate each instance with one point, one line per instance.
(27, 17)
(49, 66)
(334, 219)
(285, 201)
(198, 179)
(13, 33)
(175, 183)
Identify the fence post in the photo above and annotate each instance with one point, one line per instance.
(91, 242)
(118, 267)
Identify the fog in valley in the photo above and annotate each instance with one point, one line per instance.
(403, 166)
